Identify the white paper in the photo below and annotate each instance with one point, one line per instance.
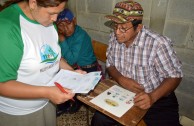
(116, 100)
(78, 83)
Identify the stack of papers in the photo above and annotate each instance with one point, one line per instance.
(78, 83)
(116, 100)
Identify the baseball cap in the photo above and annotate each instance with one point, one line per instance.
(126, 11)
(66, 15)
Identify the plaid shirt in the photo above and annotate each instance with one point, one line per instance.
(149, 60)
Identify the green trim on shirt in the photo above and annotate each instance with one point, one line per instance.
(11, 45)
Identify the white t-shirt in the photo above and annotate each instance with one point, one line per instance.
(33, 57)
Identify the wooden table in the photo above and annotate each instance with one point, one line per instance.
(133, 117)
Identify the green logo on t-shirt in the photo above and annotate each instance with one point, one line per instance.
(47, 54)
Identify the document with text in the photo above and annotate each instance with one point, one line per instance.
(78, 83)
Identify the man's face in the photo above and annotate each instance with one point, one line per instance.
(66, 28)
(125, 33)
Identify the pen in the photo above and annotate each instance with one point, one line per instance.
(62, 89)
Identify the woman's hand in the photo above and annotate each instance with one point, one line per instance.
(57, 96)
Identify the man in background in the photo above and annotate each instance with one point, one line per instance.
(77, 50)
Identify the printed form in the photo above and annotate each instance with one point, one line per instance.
(78, 83)
(116, 100)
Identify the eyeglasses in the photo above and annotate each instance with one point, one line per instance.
(121, 29)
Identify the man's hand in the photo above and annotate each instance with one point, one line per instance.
(80, 71)
(127, 83)
(143, 100)
(131, 84)
(61, 37)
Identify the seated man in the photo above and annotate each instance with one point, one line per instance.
(145, 63)
(76, 47)
(76, 44)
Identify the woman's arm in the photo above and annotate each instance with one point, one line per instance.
(19, 90)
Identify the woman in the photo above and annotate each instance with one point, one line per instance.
(30, 57)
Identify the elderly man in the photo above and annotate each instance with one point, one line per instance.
(143, 62)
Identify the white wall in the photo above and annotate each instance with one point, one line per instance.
(173, 18)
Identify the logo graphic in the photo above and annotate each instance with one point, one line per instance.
(47, 54)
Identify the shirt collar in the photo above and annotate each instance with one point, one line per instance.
(138, 41)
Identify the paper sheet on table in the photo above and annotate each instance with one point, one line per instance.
(116, 100)
(78, 83)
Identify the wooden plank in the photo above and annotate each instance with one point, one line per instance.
(99, 50)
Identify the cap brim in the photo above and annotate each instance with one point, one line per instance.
(109, 24)
(67, 21)
(116, 19)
